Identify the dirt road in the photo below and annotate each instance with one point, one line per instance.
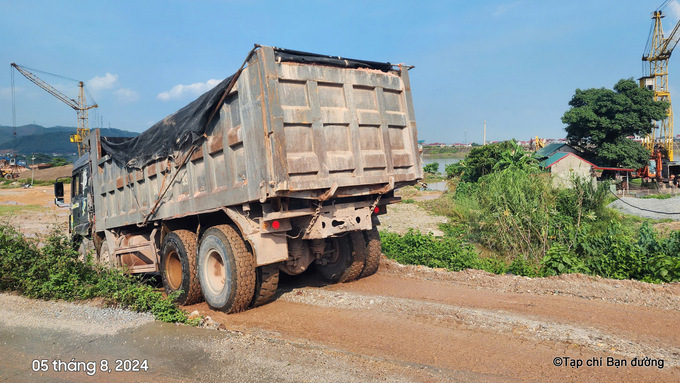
(403, 324)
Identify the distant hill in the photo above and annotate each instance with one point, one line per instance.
(38, 139)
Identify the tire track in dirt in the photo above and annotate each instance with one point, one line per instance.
(502, 335)
(521, 324)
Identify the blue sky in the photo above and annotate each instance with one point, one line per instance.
(514, 64)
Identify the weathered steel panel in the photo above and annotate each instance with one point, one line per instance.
(285, 128)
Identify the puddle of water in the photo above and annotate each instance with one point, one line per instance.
(438, 186)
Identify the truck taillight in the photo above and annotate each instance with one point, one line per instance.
(276, 225)
(376, 210)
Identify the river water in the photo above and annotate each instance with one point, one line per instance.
(441, 161)
(441, 186)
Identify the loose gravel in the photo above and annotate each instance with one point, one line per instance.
(649, 207)
(83, 319)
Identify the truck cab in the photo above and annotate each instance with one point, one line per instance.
(81, 212)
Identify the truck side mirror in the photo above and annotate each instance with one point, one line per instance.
(58, 193)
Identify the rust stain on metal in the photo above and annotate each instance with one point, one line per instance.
(215, 144)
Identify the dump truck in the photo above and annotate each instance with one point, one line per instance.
(284, 166)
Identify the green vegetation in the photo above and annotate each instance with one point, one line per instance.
(59, 161)
(11, 209)
(599, 121)
(54, 272)
(484, 160)
(531, 228)
(19, 183)
(445, 152)
(659, 196)
(432, 168)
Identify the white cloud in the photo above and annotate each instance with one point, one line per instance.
(6, 92)
(106, 82)
(674, 10)
(195, 89)
(503, 8)
(126, 95)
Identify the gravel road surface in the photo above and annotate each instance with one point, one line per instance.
(649, 207)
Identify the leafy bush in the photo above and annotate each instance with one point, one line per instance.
(59, 161)
(560, 260)
(449, 252)
(491, 158)
(414, 248)
(432, 168)
(616, 253)
(54, 272)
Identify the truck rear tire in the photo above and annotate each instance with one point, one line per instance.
(373, 252)
(266, 283)
(226, 269)
(336, 270)
(358, 245)
(178, 267)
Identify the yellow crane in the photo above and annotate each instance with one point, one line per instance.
(657, 53)
(80, 105)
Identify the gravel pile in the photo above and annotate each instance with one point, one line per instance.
(649, 207)
(82, 318)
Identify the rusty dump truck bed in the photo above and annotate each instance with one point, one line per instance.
(287, 128)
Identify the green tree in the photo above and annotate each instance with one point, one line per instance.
(432, 168)
(59, 161)
(599, 121)
(491, 158)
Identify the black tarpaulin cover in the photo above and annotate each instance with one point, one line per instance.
(175, 132)
(188, 125)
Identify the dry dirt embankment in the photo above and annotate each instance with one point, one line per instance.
(50, 174)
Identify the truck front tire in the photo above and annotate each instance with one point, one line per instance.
(178, 267)
(226, 269)
(85, 250)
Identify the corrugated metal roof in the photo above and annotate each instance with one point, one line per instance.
(548, 162)
(557, 157)
(549, 149)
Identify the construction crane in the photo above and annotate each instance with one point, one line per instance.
(657, 53)
(80, 105)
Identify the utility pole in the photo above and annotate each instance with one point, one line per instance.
(465, 140)
(484, 140)
(32, 166)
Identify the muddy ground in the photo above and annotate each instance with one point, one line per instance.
(405, 323)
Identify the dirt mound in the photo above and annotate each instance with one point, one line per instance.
(50, 174)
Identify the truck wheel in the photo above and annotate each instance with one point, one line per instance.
(178, 267)
(340, 252)
(266, 283)
(358, 257)
(373, 252)
(226, 269)
(85, 249)
(106, 258)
